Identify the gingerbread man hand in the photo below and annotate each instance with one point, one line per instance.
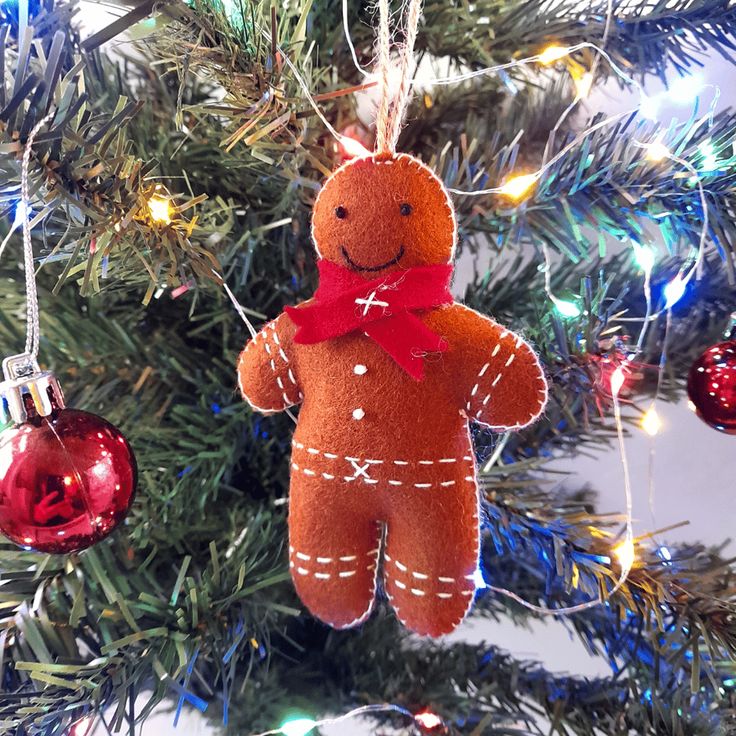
(390, 370)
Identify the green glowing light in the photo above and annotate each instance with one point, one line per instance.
(645, 257)
(297, 726)
(567, 309)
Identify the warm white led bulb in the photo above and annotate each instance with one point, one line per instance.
(650, 422)
(625, 553)
(159, 208)
(517, 186)
(552, 54)
(657, 151)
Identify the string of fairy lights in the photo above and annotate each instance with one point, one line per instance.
(517, 188)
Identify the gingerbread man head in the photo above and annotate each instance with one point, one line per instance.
(384, 213)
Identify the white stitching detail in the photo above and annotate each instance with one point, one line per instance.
(324, 560)
(374, 481)
(416, 591)
(302, 556)
(346, 573)
(322, 575)
(348, 558)
(371, 461)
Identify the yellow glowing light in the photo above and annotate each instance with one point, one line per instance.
(657, 151)
(625, 553)
(650, 422)
(517, 186)
(552, 54)
(583, 85)
(160, 209)
(67, 480)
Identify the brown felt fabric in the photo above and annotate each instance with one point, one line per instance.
(376, 449)
(371, 191)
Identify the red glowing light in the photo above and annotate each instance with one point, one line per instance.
(427, 719)
(352, 148)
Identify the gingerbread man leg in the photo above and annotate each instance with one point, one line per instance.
(432, 544)
(334, 546)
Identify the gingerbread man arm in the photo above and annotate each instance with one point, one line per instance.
(504, 384)
(267, 373)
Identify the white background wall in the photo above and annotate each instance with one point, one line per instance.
(695, 477)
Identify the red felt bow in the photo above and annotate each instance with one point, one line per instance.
(383, 308)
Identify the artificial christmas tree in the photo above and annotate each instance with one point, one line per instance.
(174, 181)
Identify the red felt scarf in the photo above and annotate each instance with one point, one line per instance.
(384, 308)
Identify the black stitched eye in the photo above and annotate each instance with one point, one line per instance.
(341, 213)
(405, 209)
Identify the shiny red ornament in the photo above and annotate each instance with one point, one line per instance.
(711, 386)
(68, 480)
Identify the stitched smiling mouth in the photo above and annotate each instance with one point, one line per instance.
(358, 267)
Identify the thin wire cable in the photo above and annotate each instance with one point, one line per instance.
(308, 94)
(405, 82)
(536, 58)
(348, 38)
(253, 332)
(563, 152)
(384, 63)
(238, 308)
(17, 222)
(33, 327)
(363, 710)
(626, 564)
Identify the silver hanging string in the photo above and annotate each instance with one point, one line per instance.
(33, 328)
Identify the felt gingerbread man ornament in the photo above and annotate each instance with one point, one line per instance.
(389, 371)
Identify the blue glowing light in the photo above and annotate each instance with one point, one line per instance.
(674, 291)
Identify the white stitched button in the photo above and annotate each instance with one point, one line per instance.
(360, 370)
(358, 413)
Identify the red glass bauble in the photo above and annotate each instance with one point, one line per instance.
(711, 386)
(67, 480)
